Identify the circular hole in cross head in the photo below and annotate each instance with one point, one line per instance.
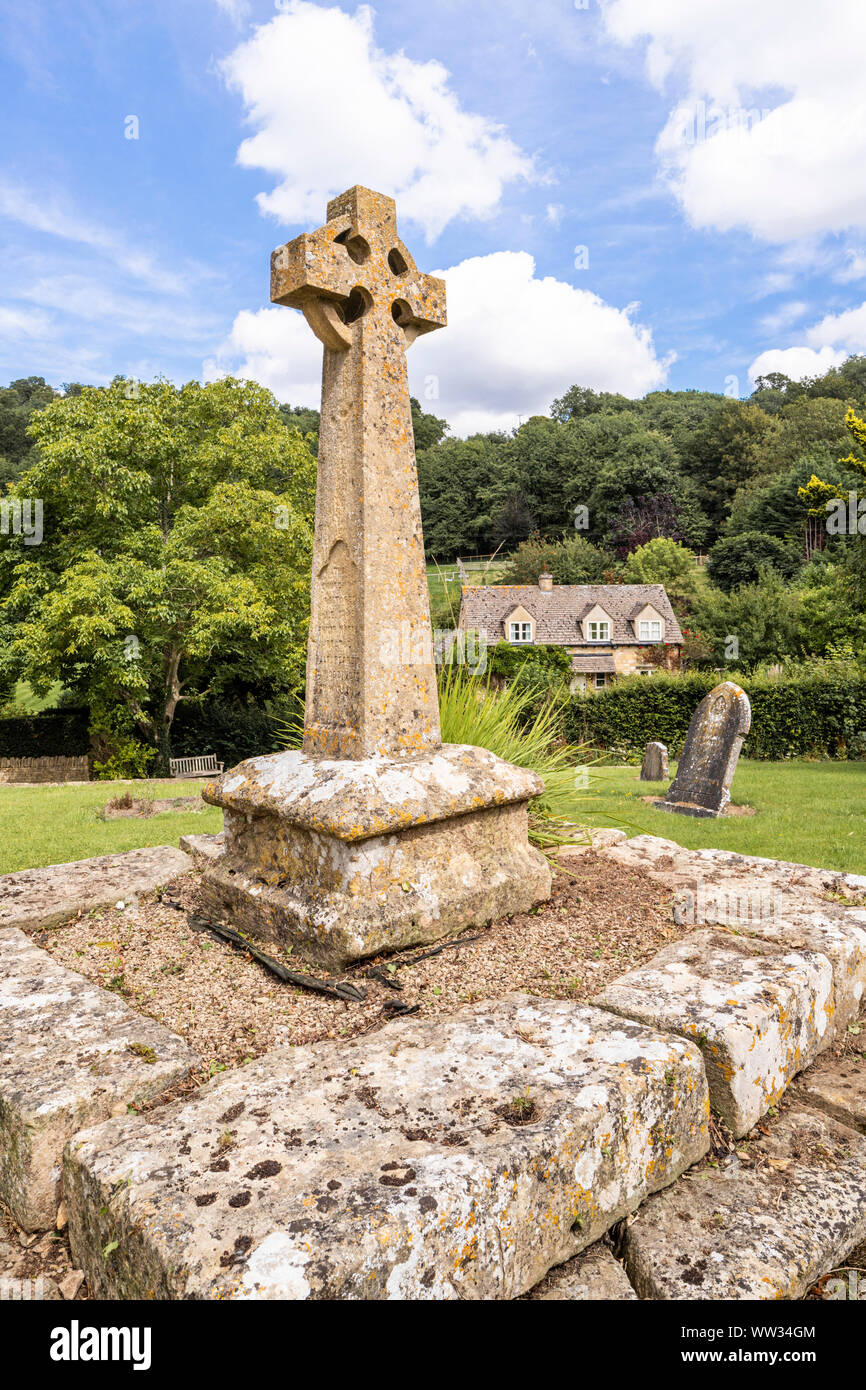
(357, 248)
(401, 313)
(355, 306)
(397, 262)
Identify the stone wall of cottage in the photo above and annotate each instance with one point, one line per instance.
(627, 660)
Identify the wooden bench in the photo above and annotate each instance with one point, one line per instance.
(206, 766)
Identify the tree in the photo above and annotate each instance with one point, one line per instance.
(580, 401)
(574, 560)
(18, 401)
(306, 420)
(513, 519)
(644, 519)
(764, 619)
(455, 478)
(428, 429)
(818, 495)
(666, 562)
(738, 560)
(169, 564)
(724, 451)
(832, 607)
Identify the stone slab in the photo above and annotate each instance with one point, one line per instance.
(665, 858)
(35, 898)
(836, 1085)
(436, 1159)
(769, 1233)
(592, 840)
(356, 800)
(779, 903)
(760, 1015)
(593, 1275)
(204, 849)
(69, 1053)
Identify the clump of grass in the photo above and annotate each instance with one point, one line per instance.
(124, 802)
(523, 725)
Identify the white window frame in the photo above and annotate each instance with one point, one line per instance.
(602, 630)
(524, 633)
(650, 630)
(600, 680)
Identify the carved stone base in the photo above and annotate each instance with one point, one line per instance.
(345, 859)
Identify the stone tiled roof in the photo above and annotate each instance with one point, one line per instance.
(557, 612)
(593, 663)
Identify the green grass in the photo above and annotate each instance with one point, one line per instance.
(811, 813)
(24, 698)
(56, 824)
(808, 813)
(445, 591)
(522, 726)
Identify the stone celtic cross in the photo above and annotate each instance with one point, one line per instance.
(371, 681)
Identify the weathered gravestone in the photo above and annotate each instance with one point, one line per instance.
(702, 786)
(375, 836)
(654, 767)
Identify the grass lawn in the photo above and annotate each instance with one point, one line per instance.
(444, 586)
(56, 824)
(809, 813)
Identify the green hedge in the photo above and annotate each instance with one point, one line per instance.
(233, 731)
(819, 716)
(55, 733)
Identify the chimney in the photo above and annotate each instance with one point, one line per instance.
(545, 582)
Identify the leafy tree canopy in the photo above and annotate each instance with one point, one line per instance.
(738, 560)
(176, 549)
(574, 560)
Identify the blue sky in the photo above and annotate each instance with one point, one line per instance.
(711, 160)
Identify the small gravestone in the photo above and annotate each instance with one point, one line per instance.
(702, 786)
(654, 767)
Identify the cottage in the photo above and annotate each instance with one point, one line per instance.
(609, 630)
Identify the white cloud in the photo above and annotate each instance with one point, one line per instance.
(144, 315)
(238, 11)
(846, 330)
(827, 344)
(796, 362)
(792, 170)
(513, 343)
(276, 348)
(854, 268)
(784, 316)
(23, 323)
(49, 212)
(331, 109)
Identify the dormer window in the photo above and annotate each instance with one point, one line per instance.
(598, 631)
(520, 632)
(650, 630)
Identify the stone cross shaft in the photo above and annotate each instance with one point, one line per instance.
(371, 680)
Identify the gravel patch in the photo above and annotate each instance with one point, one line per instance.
(602, 920)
